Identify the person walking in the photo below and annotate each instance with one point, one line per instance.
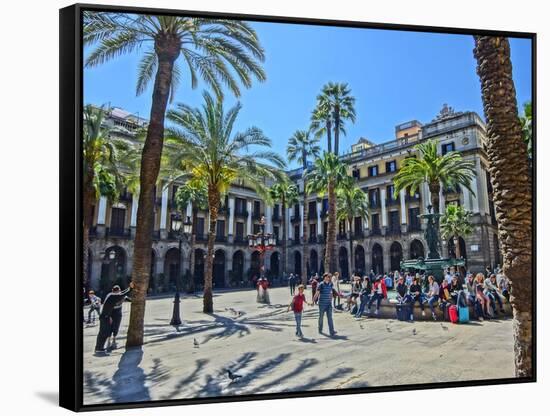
(297, 306)
(105, 318)
(95, 306)
(324, 294)
(314, 283)
(292, 283)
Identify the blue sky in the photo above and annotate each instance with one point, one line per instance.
(395, 76)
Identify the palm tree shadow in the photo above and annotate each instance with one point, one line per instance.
(129, 379)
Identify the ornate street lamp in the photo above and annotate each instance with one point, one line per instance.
(262, 242)
(176, 226)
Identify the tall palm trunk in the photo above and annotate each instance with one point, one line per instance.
(88, 198)
(192, 249)
(305, 234)
(512, 191)
(336, 131)
(283, 217)
(214, 200)
(434, 188)
(456, 241)
(329, 136)
(167, 50)
(330, 253)
(351, 259)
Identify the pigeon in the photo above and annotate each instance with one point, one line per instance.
(361, 326)
(444, 327)
(414, 331)
(232, 375)
(195, 343)
(388, 328)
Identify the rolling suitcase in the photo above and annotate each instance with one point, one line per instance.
(453, 314)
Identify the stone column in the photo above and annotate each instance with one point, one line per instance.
(133, 215)
(231, 218)
(268, 222)
(383, 204)
(101, 216)
(425, 197)
(319, 221)
(403, 208)
(249, 230)
(289, 227)
(466, 201)
(164, 213)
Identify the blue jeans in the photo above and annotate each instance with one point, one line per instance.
(362, 306)
(298, 318)
(431, 302)
(419, 299)
(328, 310)
(378, 297)
(492, 297)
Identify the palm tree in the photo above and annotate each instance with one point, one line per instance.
(321, 121)
(351, 203)
(197, 196)
(511, 178)
(327, 172)
(301, 146)
(286, 192)
(205, 146)
(526, 121)
(450, 170)
(456, 223)
(102, 176)
(337, 98)
(221, 52)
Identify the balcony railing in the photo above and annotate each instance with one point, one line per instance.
(241, 213)
(117, 232)
(201, 237)
(156, 235)
(125, 196)
(411, 228)
(392, 201)
(359, 234)
(221, 238)
(452, 190)
(393, 231)
(256, 215)
(375, 231)
(312, 239)
(374, 204)
(414, 198)
(295, 218)
(295, 241)
(324, 212)
(240, 241)
(320, 239)
(312, 214)
(276, 217)
(341, 236)
(224, 211)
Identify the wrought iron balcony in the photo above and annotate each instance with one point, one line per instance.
(221, 238)
(375, 231)
(240, 241)
(117, 232)
(312, 214)
(256, 215)
(224, 210)
(125, 196)
(241, 213)
(393, 230)
(295, 218)
(411, 228)
(413, 198)
(156, 235)
(392, 201)
(374, 204)
(342, 236)
(359, 234)
(312, 239)
(201, 237)
(276, 217)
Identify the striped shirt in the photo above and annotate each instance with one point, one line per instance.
(325, 293)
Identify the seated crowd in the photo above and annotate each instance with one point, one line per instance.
(485, 293)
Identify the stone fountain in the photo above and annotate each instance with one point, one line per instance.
(433, 264)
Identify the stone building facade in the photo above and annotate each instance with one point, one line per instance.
(392, 231)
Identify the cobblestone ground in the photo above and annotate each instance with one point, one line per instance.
(260, 346)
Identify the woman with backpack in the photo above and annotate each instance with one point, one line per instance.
(297, 306)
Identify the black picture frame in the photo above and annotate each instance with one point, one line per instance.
(70, 233)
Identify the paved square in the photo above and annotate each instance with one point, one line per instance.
(260, 346)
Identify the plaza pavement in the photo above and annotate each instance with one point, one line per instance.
(260, 345)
